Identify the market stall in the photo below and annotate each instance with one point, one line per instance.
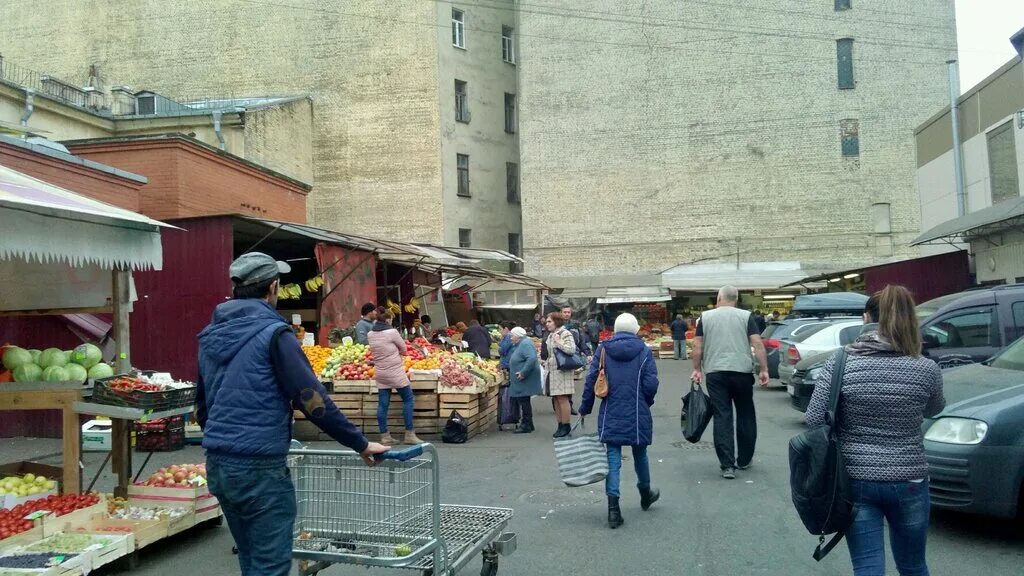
(60, 253)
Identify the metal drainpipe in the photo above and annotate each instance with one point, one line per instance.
(958, 158)
(216, 129)
(29, 108)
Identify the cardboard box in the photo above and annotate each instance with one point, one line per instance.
(10, 500)
(96, 436)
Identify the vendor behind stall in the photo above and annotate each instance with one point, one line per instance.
(250, 378)
(479, 339)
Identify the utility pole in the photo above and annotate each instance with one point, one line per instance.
(958, 158)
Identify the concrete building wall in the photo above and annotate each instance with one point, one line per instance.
(487, 213)
(660, 133)
(49, 118)
(281, 137)
(373, 79)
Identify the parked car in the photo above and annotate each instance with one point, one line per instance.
(975, 447)
(805, 377)
(777, 330)
(828, 304)
(823, 336)
(971, 326)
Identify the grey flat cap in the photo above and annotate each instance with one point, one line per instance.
(255, 267)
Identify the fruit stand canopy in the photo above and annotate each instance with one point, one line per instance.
(47, 224)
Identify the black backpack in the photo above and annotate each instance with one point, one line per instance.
(817, 474)
(456, 430)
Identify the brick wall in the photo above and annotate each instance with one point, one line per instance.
(691, 131)
(187, 180)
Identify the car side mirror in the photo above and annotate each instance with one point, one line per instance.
(929, 341)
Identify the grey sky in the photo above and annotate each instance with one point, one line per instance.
(984, 28)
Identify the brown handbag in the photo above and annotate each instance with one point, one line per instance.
(601, 386)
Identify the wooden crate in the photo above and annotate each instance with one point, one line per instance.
(145, 532)
(207, 508)
(119, 548)
(55, 524)
(477, 387)
(27, 537)
(348, 401)
(159, 497)
(424, 385)
(181, 523)
(354, 386)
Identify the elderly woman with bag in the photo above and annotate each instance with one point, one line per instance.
(624, 376)
(561, 380)
(524, 378)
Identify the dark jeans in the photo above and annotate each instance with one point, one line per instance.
(905, 505)
(523, 410)
(384, 403)
(728, 389)
(640, 465)
(258, 500)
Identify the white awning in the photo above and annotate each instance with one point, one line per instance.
(744, 276)
(43, 223)
(638, 295)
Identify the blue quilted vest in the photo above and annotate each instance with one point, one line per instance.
(248, 415)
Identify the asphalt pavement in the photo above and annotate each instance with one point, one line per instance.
(703, 525)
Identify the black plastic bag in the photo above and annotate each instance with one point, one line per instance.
(698, 413)
(456, 430)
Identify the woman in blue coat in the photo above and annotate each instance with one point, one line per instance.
(625, 415)
(524, 378)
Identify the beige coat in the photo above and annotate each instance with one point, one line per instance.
(560, 382)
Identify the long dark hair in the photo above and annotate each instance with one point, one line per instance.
(897, 320)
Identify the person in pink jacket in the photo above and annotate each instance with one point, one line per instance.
(388, 347)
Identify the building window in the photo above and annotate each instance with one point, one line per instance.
(842, 5)
(458, 28)
(844, 59)
(515, 248)
(510, 113)
(849, 134)
(508, 50)
(462, 161)
(1002, 163)
(461, 102)
(512, 182)
(465, 238)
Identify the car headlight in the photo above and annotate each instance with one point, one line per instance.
(813, 373)
(957, 431)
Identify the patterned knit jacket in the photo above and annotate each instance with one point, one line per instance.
(882, 404)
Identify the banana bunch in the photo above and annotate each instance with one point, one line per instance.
(289, 292)
(412, 307)
(394, 308)
(314, 284)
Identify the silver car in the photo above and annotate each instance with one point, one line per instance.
(815, 339)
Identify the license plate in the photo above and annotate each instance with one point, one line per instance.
(791, 389)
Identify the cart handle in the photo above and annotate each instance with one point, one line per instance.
(400, 455)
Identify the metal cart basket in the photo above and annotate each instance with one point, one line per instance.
(389, 515)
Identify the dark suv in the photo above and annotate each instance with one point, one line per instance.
(971, 326)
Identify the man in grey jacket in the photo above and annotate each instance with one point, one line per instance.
(365, 324)
(721, 353)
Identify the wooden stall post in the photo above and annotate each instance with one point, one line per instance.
(120, 431)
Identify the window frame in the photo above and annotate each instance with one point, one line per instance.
(511, 117)
(465, 237)
(849, 138)
(989, 310)
(515, 267)
(508, 47)
(512, 194)
(1012, 188)
(459, 28)
(845, 77)
(843, 5)
(462, 176)
(462, 113)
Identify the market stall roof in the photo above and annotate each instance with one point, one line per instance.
(639, 295)
(744, 276)
(454, 262)
(996, 218)
(47, 224)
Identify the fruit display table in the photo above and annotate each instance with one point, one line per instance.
(49, 396)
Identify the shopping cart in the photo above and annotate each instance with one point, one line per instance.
(389, 515)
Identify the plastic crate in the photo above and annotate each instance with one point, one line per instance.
(102, 393)
(160, 435)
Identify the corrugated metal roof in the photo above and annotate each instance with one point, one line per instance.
(1005, 213)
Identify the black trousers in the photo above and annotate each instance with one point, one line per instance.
(728, 390)
(523, 408)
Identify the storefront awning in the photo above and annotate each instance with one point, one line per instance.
(47, 224)
(744, 276)
(635, 295)
(996, 218)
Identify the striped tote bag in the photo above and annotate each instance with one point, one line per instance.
(582, 459)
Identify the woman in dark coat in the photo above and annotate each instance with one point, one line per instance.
(479, 339)
(625, 415)
(524, 378)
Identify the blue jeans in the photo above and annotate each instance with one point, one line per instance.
(679, 349)
(258, 501)
(384, 403)
(640, 465)
(906, 506)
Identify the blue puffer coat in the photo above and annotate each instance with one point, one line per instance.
(248, 415)
(504, 349)
(625, 415)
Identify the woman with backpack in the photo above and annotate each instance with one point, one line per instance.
(624, 418)
(887, 390)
